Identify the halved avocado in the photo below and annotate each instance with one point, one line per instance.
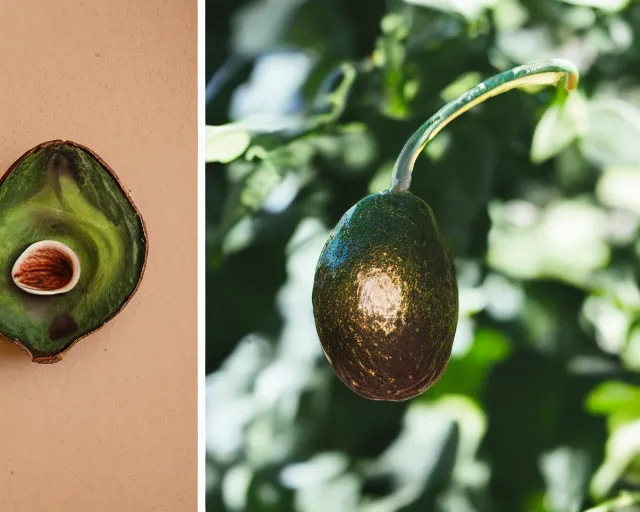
(385, 297)
(73, 250)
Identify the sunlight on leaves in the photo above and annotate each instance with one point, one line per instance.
(258, 26)
(509, 15)
(617, 400)
(612, 134)
(539, 42)
(605, 5)
(341, 493)
(225, 143)
(461, 85)
(619, 187)
(382, 179)
(624, 502)
(612, 309)
(234, 487)
(228, 397)
(436, 437)
(390, 55)
(270, 99)
(565, 240)
(259, 185)
(566, 473)
(469, 10)
(239, 236)
(620, 402)
(558, 127)
(611, 322)
(623, 447)
(322, 483)
(466, 374)
(631, 352)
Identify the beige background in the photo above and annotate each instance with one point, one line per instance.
(113, 427)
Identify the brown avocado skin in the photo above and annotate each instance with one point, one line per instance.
(385, 297)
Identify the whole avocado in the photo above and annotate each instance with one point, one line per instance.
(385, 297)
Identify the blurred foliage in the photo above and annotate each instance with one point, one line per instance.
(309, 103)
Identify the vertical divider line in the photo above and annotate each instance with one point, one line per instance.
(201, 274)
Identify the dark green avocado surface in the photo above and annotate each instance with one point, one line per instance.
(385, 297)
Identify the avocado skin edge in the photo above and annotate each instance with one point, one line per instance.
(385, 297)
(44, 358)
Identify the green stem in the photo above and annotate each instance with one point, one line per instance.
(553, 72)
(623, 501)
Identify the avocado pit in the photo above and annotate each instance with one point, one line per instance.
(47, 267)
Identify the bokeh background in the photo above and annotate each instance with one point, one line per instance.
(309, 103)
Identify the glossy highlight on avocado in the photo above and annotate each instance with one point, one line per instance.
(385, 297)
(74, 248)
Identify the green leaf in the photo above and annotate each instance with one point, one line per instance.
(622, 450)
(381, 179)
(259, 26)
(467, 375)
(390, 55)
(470, 10)
(225, 143)
(336, 101)
(619, 187)
(612, 397)
(566, 471)
(558, 127)
(613, 133)
(461, 85)
(564, 241)
(259, 185)
(605, 5)
(621, 503)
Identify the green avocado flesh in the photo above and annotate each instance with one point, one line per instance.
(60, 191)
(385, 298)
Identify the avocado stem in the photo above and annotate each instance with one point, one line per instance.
(552, 72)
